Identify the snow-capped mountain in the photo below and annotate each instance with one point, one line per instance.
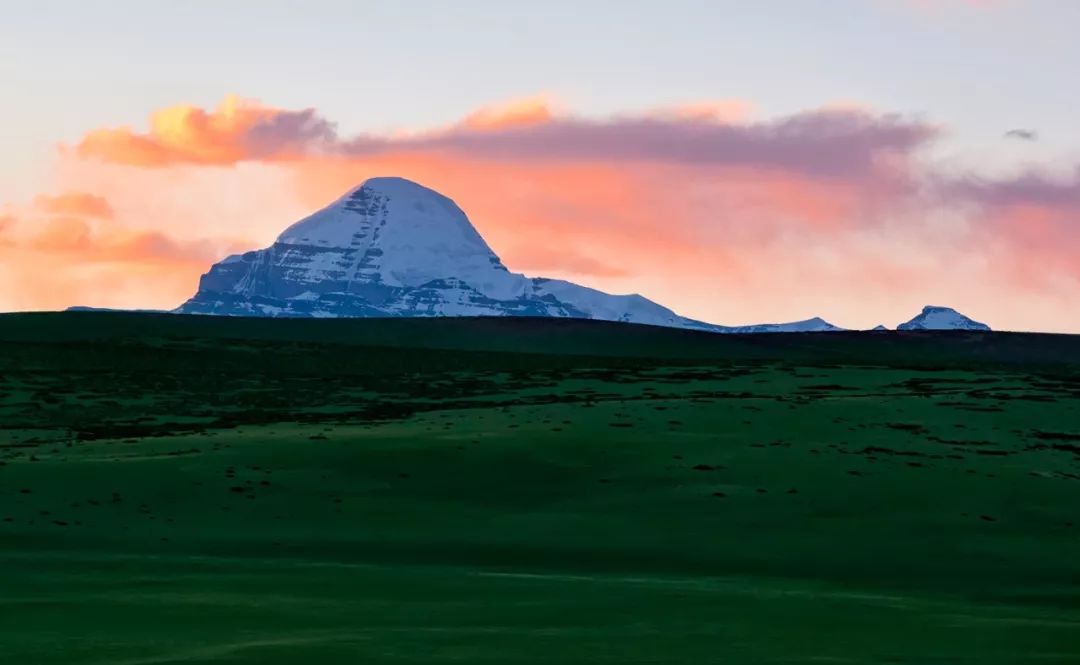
(815, 324)
(941, 318)
(391, 247)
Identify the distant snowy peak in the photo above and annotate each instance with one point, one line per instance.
(941, 318)
(815, 324)
(878, 328)
(392, 247)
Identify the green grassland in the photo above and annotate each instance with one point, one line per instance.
(237, 491)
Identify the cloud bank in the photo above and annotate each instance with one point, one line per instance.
(75, 203)
(821, 144)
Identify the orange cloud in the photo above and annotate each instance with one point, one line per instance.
(75, 203)
(826, 143)
(64, 234)
(237, 130)
(54, 261)
(515, 113)
(33, 280)
(68, 235)
(7, 222)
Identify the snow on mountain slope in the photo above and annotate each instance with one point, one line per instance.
(605, 306)
(941, 318)
(815, 324)
(391, 247)
(397, 233)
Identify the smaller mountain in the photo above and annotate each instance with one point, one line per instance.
(941, 318)
(816, 324)
(878, 328)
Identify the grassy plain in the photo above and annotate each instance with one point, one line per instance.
(235, 491)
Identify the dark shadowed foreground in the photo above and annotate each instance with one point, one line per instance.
(204, 490)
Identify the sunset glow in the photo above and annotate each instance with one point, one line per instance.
(715, 206)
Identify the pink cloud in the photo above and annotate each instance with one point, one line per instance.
(816, 144)
(823, 143)
(1031, 188)
(75, 203)
(1033, 222)
(74, 236)
(69, 249)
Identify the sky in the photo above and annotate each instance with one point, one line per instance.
(739, 162)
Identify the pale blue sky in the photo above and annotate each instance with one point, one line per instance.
(66, 67)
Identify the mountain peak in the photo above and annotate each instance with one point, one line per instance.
(374, 198)
(392, 247)
(394, 232)
(937, 317)
(391, 185)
